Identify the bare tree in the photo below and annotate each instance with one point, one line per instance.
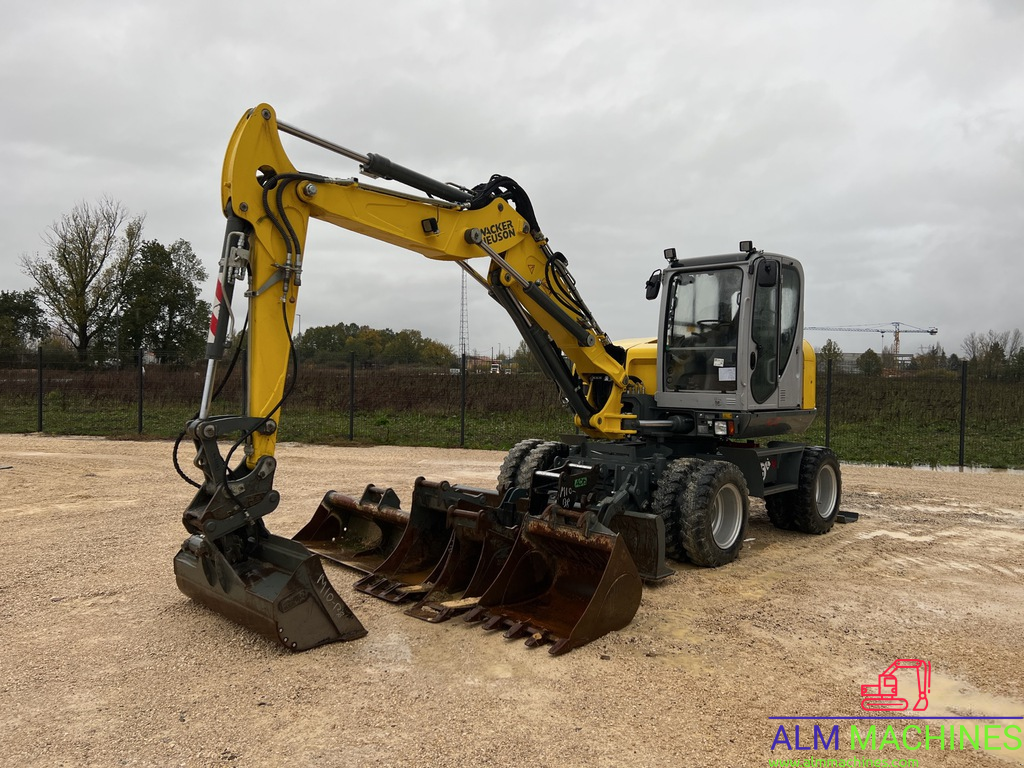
(976, 345)
(1010, 341)
(973, 345)
(81, 278)
(992, 352)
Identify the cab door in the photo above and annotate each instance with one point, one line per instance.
(774, 331)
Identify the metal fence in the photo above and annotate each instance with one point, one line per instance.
(932, 419)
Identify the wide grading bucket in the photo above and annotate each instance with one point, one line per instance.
(357, 534)
(271, 585)
(565, 583)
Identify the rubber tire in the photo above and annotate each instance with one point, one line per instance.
(513, 460)
(541, 457)
(780, 511)
(669, 502)
(819, 488)
(715, 485)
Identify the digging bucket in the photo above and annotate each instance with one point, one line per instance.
(477, 550)
(562, 583)
(404, 573)
(275, 587)
(357, 534)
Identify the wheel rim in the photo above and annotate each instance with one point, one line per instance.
(825, 488)
(728, 516)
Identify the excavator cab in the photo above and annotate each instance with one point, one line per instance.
(732, 338)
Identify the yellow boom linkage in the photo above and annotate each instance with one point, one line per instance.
(437, 229)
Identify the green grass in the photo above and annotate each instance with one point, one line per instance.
(496, 431)
(881, 428)
(488, 431)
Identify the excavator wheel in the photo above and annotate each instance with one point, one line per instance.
(509, 471)
(715, 515)
(669, 502)
(779, 512)
(541, 457)
(814, 505)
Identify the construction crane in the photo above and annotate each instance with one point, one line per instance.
(895, 328)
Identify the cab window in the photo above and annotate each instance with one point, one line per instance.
(773, 332)
(702, 330)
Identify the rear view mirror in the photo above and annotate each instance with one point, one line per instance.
(653, 285)
(767, 273)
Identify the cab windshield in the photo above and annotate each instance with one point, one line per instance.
(702, 330)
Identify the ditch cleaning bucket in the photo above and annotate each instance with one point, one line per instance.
(563, 583)
(271, 585)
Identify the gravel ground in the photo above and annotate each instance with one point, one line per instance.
(106, 663)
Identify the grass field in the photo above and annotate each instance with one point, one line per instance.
(900, 421)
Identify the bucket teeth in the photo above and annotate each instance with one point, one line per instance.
(564, 584)
(478, 548)
(405, 573)
(559, 579)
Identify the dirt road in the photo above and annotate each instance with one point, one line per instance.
(105, 663)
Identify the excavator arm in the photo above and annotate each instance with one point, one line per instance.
(272, 202)
(230, 560)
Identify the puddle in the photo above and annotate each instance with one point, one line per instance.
(954, 697)
(951, 697)
(966, 470)
(896, 535)
(969, 470)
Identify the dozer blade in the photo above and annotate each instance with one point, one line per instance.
(404, 573)
(479, 546)
(357, 534)
(277, 589)
(562, 584)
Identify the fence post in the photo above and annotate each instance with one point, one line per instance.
(352, 397)
(828, 404)
(462, 406)
(142, 386)
(39, 392)
(963, 410)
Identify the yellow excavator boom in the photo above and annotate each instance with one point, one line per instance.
(262, 187)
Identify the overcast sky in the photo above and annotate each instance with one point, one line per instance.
(881, 143)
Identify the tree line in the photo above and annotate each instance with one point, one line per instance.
(992, 355)
(336, 345)
(103, 292)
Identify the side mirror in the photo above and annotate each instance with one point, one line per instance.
(654, 285)
(767, 273)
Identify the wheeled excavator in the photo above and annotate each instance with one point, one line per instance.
(673, 433)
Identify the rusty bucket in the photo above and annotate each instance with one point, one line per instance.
(565, 582)
(272, 585)
(479, 546)
(357, 534)
(404, 573)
